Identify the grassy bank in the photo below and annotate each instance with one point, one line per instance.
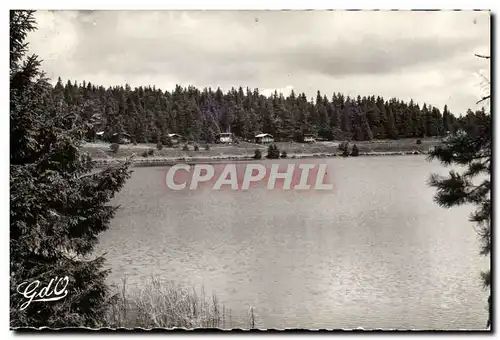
(244, 151)
(163, 304)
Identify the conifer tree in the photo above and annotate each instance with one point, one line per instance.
(470, 149)
(446, 120)
(390, 123)
(58, 205)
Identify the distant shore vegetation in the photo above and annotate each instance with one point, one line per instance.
(147, 114)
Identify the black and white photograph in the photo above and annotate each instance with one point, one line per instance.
(192, 169)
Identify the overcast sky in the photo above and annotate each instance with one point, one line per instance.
(427, 56)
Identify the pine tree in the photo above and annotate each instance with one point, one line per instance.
(323, 119)
(159, 142)
(58, 205)
(446, 120)
(472, 150)
(390, 123)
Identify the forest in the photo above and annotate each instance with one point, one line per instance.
(148, 114)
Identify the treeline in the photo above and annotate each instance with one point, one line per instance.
(148, 114)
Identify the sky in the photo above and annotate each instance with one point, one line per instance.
(424, 56)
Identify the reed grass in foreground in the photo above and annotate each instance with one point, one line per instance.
(163, 304)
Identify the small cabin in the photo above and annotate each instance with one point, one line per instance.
(124, 138)
(309, 139)
(226, 137)
(175, 138)
(99, 135)
(264, 138)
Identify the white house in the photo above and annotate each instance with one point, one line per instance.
(226, 137)
(309, 139)
(264, 138)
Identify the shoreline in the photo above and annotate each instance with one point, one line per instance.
(168, 161)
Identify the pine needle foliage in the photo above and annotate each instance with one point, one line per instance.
(58, 205)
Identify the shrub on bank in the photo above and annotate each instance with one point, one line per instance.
(419, 141)
(162, 304)
(344, 148)
(114, 147)
(273, 152)
(185, 147)
(257, 154)
(284, 154)
(355, 151)
(196, 147)
(151, 152)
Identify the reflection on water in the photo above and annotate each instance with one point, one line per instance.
(375, 252)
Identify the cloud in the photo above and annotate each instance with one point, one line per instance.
(427, 56)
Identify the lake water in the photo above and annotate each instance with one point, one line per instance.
(375, 252)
